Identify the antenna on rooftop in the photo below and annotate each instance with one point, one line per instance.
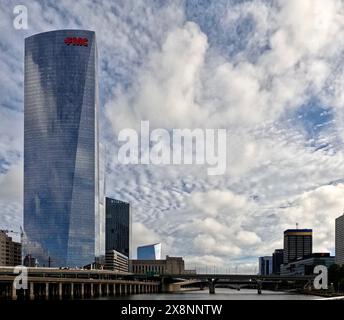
(297, 226)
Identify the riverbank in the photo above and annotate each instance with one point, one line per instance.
(322, 293)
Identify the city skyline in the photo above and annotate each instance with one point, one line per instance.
(272, 82)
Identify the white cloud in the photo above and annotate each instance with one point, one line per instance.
(167, 85)
(248, 71)
(208, 245)
(11, 184)
(318, 209)
(142, 236)
(214, 201)
(203, 261)
(248, 238)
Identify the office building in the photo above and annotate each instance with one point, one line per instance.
(116, 261)
(62, 215)
(306, 265)
(339, 245)
(171, 265)
(10, 251)
(298, 244)
(149, 252)
(265, 265)
(117, 226)
(30, 261)
(277, 261)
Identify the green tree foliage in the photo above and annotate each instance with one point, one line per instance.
(336, 276)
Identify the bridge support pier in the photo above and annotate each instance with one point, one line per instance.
(212, 286)
(32, 292)
(60, 290)
(14, 292)
(91, 291)
(47, 290)
(259, 287)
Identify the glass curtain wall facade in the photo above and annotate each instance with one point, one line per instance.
(117, 226)
(149, 252)
(277, 260)
(339, 244)
(298, 244)
(265, 266)
(61, 167)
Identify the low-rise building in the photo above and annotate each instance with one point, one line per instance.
(306, 266)
(171, 265)
(10, 251)
(30, 262)
(116, 261)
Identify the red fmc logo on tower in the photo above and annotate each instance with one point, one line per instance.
(76, 41)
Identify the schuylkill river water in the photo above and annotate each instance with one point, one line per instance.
(221, 294)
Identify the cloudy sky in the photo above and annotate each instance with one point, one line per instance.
(270, 72)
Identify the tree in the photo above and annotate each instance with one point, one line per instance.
(336, 276)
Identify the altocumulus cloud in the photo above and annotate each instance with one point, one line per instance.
(265, 70)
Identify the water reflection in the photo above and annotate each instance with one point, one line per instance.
(221, 294)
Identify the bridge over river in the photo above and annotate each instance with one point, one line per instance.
(60, 283)
(172, 282)
(43, 283)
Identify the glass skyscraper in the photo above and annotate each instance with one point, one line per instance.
(298, 244)
(339, 243)
(149, 252)
(277, 261)
(117, 226)
(61, 169)
(265, 265)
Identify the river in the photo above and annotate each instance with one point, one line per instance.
(221, 294)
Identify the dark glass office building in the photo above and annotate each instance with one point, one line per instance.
(277, 261)
(339, 243)
(265, 265)
(61, 185)
(117, 226)
(298, 244)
